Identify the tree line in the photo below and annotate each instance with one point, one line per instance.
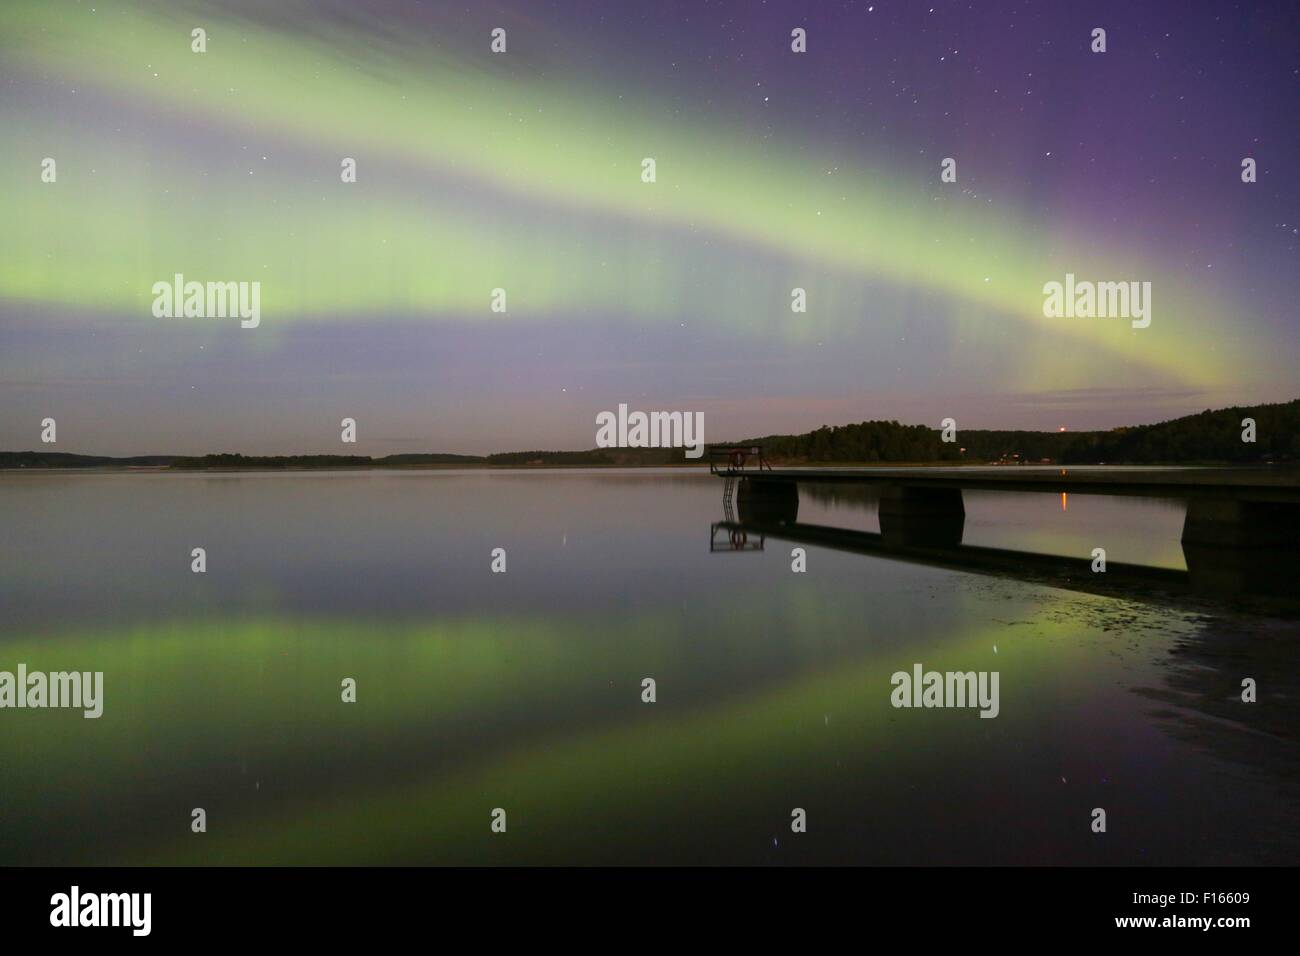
(1208, 437)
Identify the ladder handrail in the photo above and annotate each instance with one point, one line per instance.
(735, 458)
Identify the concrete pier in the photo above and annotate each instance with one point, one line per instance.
(921, 517)
(1241, 533)
(1242, 547)
(1236, 523)
(767, 502)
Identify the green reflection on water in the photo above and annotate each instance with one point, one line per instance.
(457, 716)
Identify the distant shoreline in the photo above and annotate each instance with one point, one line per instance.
(1261, 435)
(676, 466)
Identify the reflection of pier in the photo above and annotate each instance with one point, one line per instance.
(1270, 585)
(1072, 573)
(729, 536)
(1241, 535)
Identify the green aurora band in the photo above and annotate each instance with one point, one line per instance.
(556, 212)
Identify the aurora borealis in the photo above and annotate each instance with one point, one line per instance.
(521, 170)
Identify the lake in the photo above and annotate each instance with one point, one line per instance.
(523, 691)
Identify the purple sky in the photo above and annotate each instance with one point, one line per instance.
(1134, 153)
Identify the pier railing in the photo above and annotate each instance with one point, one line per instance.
(737, 460)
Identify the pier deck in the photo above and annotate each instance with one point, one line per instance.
(1226, 507)
(1240, 484)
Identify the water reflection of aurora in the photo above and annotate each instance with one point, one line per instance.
(450, 714)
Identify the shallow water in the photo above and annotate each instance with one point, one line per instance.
(523, 690)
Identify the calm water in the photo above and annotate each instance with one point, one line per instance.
(523, 690)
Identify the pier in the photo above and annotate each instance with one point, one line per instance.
(1241, 532)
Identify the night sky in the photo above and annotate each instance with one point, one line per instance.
(522, 171)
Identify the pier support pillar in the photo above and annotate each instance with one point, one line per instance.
(767, 502)
(921, 517)
(1228, 523)
(1242, 547)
